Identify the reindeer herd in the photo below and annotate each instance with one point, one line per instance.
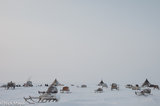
(50, 94)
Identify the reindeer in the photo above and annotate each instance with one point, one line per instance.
(11, 85)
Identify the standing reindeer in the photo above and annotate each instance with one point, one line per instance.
(11, 85)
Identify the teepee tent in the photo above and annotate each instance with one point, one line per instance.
(28, 84)
(101, 83)
(146, 83)
(56, 83)
(52, 89)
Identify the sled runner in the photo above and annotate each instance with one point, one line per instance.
(41, 99)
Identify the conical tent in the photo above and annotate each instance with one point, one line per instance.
(52, 89)
(146, 83)
(56, 83)
(28, 84)
(101, 83)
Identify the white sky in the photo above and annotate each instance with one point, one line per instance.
(80, 40)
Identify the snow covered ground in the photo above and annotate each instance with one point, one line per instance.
(81, 97)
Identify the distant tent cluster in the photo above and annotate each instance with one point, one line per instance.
(50, 94)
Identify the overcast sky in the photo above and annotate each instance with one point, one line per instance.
(80, 40)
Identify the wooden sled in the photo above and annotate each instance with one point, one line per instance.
(65, 90)
(114, 86)
(145, 92)
(41, 99)
(99, 90)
